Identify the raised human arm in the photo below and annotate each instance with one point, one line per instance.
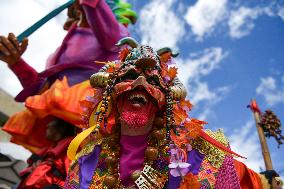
(103, 23)
(11, 51)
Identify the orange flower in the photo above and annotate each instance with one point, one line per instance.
(181, 139)
(164, 68)
(186, 104)
(123, 54)
(194, 127)
(165, 57)
(190, 181)
(179, 114)
(172, 72)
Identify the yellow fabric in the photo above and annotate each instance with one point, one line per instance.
(75, 143)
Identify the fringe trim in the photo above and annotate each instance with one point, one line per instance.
(264, 182)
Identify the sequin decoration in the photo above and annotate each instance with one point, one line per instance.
(207, 174)
(227, 177)
(212, 154)
(72, 181)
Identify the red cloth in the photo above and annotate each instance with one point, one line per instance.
(248, 178)
(54, 158)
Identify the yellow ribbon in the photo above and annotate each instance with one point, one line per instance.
(75, 143)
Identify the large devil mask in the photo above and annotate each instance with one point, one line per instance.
(140, 67)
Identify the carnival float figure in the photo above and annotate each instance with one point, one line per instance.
(94, 26)
(93, 30)
(48, 168)
(140, 134)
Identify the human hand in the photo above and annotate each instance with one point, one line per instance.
(11, 49)
(273, 179)
(73, 14)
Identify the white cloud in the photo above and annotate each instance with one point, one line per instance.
(244, 141)
(241, 21)
(272, 93)
(159, 26)
(15, 18)
(200, 64)
(281, 12)
(204, 15)
(192, 70)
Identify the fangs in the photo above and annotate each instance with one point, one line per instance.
(138, 98)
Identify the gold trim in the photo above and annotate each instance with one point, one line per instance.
(212, 154)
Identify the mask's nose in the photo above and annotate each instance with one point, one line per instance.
(140, 81)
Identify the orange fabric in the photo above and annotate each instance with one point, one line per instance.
(248, 178)
(29, 126)
(27, 130)
(61, 101)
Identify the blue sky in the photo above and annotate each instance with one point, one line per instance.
(230, 52)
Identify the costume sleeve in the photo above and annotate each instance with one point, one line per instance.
(250, 179)
(25, 73)
(67, 163)
(103, 23)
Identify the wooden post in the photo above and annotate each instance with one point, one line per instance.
(264, 146)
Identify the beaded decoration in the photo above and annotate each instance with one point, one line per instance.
(212, 154)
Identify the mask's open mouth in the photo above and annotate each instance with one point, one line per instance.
(138, 99)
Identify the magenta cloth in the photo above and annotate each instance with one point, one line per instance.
(132, 153)
(131, 159)
(76, 56)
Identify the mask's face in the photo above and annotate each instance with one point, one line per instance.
(141, 70)
(149, 83)
(138, 89)
(137, 111)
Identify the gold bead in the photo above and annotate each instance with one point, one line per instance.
(135, 175)
(158, 134)
(151, 153)
(159, 122)
(110, 181)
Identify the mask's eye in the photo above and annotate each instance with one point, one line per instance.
(130, 75)
(153, 80)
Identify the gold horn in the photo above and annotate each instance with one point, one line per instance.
(178, 89)
(166, 50)
(129, 41)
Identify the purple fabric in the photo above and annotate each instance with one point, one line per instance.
(81, 47)
(132, 149)
(104, 25)
(194, 159)
(87, 166)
